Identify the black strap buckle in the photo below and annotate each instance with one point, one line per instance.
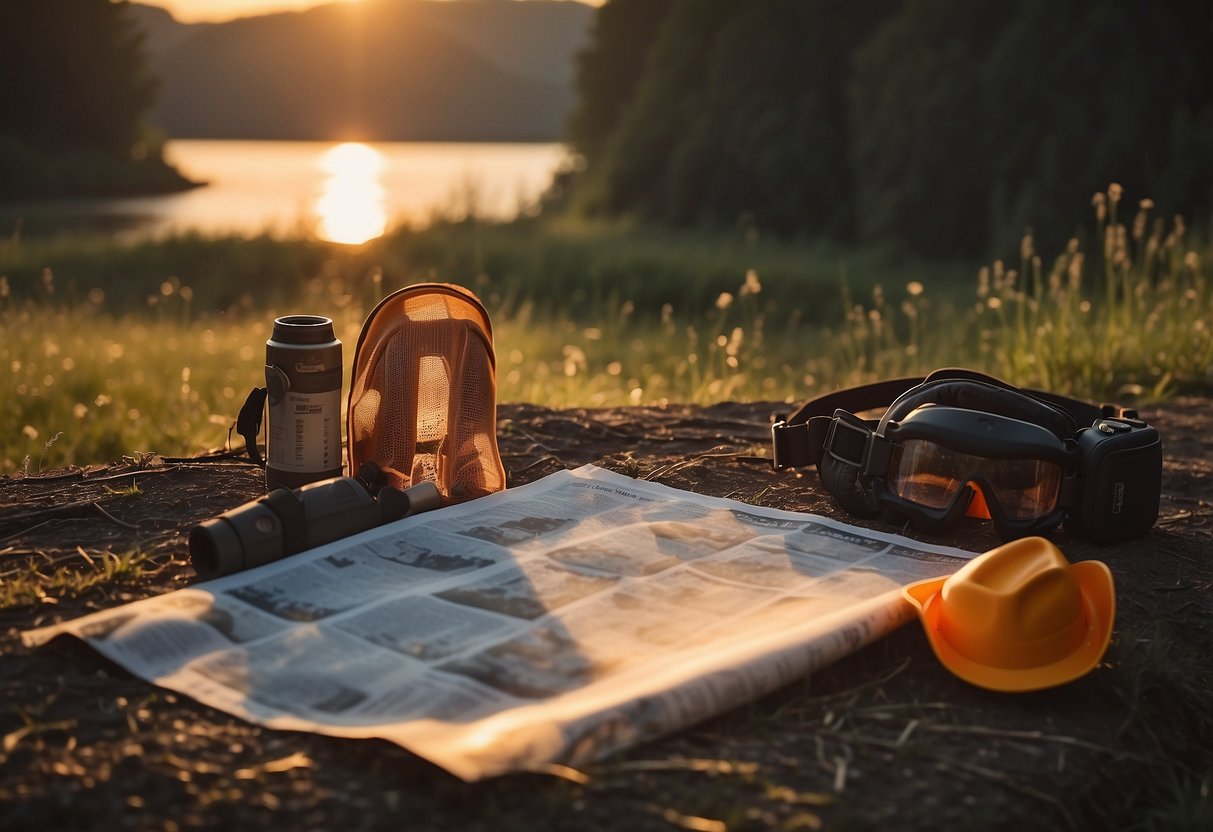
(847, 440)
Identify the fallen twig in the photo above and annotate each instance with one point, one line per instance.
(114, 519)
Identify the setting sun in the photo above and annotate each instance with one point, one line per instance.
(352, 206)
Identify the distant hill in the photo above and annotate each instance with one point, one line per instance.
(487, 70)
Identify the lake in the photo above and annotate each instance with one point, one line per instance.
(344, 192)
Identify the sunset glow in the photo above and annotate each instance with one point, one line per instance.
(214, 11)
(352, 207)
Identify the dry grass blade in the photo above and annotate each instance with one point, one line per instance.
(684, 764)
(292, 761)
(1037, 736)
(695, 824)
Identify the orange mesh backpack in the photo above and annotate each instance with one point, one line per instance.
(423, 397)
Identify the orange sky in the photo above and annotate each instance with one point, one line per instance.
(191, 11)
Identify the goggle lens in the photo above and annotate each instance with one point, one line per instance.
(929, 474)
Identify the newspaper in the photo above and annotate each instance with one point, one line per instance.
(550, 624)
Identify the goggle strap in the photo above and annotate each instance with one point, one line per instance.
(800, 439)
(801, 443)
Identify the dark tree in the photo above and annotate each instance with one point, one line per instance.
(610, 68)
(1116, 91)
(75, 75)
(740, 113)
(920, 151)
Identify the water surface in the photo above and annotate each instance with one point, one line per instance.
(345, 192)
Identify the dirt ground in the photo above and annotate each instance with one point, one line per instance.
(886, 736)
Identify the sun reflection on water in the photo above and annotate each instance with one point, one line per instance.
(353, 204)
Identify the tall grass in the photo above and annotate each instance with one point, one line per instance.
(155, 361)
(1138, 321)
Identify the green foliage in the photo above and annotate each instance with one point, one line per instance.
(739, 117)
(75, 75)
(35, 582)
(939, 126)
(76, 87)
(609, 69)
(918, 113)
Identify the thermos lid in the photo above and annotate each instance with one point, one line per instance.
(303, 329)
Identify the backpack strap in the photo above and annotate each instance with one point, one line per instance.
(248, 423)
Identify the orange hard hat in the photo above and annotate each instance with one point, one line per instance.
(1020, 617)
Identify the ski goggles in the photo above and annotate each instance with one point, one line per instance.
(959, 443)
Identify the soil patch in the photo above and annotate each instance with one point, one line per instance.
(886, 735)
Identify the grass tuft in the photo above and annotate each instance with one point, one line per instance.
(32, 585)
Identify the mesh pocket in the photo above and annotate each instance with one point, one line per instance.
(423, 400)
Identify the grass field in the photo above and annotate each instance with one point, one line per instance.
(115, 348)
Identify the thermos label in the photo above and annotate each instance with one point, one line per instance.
(305, 432)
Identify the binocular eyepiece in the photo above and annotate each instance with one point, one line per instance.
(286, 521)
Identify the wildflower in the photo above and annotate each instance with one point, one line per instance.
(1139, 226)
(574, 359)
(914, 288)
(725, 300)
(1146, 204)
(1075, 271)
(734, 343)
(751, 285)
(1115, 192)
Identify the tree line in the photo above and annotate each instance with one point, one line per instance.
(76, 88)
(944, 126)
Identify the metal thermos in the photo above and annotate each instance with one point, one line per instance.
(303, 382)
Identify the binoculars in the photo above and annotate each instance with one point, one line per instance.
(286, 521)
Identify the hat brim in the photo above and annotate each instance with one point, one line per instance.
(1098, 592)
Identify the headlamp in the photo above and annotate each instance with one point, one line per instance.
(962, 443)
